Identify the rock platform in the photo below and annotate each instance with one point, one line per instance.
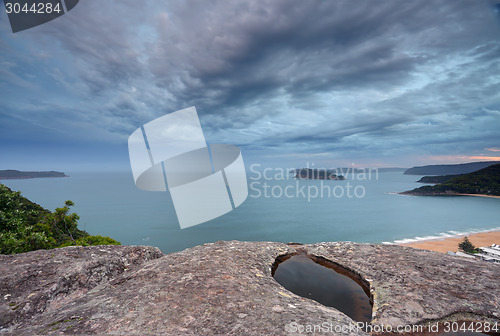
(226, 288)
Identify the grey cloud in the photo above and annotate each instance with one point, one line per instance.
(236, 52)
(281, 75)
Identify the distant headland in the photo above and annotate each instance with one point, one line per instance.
(450, 169)
(484, 182)
(16, 174)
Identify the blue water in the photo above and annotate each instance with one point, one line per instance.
(109, 204)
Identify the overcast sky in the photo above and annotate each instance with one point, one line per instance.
(369, 83)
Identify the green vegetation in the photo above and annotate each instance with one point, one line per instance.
(485, 181)
(26, 226)
(437, 179)
(467, 246)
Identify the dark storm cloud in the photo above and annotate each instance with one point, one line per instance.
(362, 77)
(239, 52)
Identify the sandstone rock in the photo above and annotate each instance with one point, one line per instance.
(411, 286)
(44, 281)
(226, 288)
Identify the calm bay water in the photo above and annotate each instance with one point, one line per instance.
(359, 210)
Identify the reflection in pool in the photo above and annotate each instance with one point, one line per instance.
(325, 282)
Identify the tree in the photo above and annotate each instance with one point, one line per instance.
(467, 246)
(62, 225)
(26, 226)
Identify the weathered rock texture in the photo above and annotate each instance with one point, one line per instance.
(226, 288)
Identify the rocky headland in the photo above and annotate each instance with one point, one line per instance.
(16, 174)
(226, 288)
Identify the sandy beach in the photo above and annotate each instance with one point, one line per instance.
(451, 244)
(480, 195)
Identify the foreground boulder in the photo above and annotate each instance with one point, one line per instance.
(226, 288)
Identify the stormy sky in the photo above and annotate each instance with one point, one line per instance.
(335, 83)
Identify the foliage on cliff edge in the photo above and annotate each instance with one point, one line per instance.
(26, 226)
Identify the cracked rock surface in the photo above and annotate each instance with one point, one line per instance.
(226, 288)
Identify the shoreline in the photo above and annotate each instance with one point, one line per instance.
(480, 239)
(444, 194)
(479, 195)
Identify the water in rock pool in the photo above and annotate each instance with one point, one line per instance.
(302, 276)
